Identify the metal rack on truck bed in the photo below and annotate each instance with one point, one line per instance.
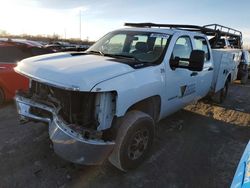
(216, 31)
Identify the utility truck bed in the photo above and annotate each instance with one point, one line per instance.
(226, 62)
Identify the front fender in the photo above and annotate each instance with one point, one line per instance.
(134, 87)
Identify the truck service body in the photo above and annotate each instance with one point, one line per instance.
(94, 101)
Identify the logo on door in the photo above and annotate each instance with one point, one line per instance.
(187, 90)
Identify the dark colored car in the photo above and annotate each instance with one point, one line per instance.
(65, 47)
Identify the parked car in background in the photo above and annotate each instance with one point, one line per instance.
(243, 68)
(65, 47)
(11, 52)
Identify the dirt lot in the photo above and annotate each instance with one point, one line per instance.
(196, 147)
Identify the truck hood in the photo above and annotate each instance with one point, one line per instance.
(72, 70)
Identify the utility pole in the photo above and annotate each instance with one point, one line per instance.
(80, 25)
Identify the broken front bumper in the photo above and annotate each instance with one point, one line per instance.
(67, 143)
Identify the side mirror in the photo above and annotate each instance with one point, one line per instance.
(174, 62)
(196, 60)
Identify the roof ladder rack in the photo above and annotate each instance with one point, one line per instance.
(214, 30)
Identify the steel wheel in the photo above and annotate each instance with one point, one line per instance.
(138, 144)
(133, 141)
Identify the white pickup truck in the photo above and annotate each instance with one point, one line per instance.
(104, 103)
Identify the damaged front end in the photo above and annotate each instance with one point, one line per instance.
(79, 122)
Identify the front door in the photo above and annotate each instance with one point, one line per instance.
(181, 83)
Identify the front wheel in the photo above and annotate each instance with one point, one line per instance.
(134, 140)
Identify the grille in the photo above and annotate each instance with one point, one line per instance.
(76, 107)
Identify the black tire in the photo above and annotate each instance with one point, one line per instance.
(1, 97)
(244, 78)
(133, 141)
(224, 92)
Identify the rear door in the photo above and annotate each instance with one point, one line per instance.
(204, 77)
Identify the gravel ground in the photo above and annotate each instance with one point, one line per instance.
(199, 146)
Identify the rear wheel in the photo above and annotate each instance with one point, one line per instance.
(134, 140)
(223, 92)
(244, 78)
(1, 96)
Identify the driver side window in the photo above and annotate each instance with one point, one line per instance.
(182, 50)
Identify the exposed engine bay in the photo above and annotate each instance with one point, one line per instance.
(87, 113)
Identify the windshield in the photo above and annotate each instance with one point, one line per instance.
(146, 47)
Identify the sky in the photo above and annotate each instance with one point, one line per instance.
(98, 17)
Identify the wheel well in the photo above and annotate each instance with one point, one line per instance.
(150, 106)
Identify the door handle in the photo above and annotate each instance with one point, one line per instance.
(210, 68)
(194, 74)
